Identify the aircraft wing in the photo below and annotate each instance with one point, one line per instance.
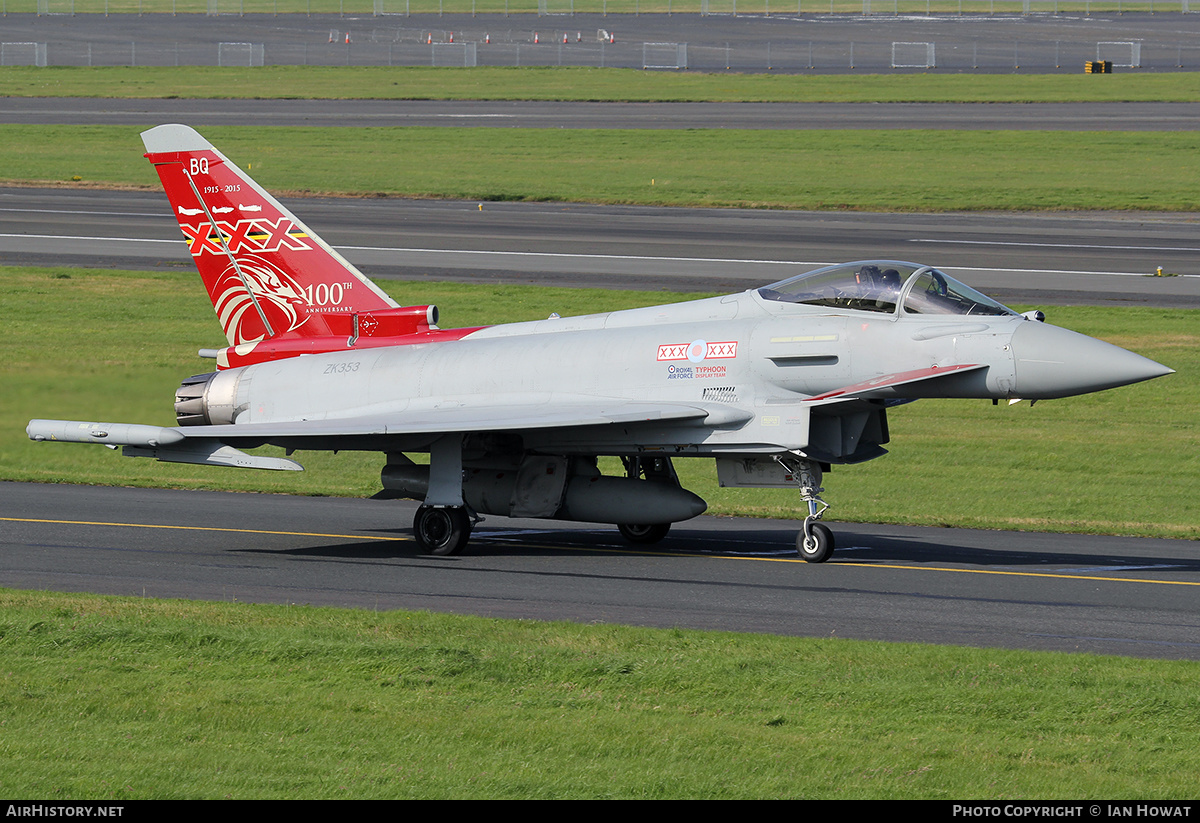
(207, 444)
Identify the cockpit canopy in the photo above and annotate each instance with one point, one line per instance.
(882, 286)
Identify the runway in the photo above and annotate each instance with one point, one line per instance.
(1083, 117)
(1035, 259)
(1106, 595)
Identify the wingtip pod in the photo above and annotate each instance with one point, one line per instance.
(106, 434)
(268, 276)
(164, 444)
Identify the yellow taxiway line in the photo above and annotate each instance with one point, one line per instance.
(638, 552)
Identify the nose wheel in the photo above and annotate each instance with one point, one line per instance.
(815, 542)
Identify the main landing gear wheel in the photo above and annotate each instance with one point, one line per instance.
(637, 533)
(442, 530)
(817, 546)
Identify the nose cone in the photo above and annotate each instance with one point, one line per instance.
(1053, 362)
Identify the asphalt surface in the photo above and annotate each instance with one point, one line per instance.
(534, 114)
(1106, 595)
(1016, 258)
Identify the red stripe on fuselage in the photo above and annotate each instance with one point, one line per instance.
(281, 349)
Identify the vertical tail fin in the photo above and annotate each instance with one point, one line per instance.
(268, 276)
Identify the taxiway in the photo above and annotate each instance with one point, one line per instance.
(1105, 595)
(1039, 259)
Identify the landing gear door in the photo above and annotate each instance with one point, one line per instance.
(753, 473)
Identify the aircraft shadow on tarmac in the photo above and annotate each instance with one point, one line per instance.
(774, 544)
(873, 548)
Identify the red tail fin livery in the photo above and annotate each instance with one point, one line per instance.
(278, 289)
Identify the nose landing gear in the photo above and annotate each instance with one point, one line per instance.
(815, 542)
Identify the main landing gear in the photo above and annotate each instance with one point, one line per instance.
(442, 530)
(644, 534)
(815, 542)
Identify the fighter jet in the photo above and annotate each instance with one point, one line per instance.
(776, 384)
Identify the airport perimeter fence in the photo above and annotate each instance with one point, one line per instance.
(559, 8)
(559, 47)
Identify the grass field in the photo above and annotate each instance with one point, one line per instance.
(584, 84)
(125, 698)
(865, 170)
(1050, 467)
